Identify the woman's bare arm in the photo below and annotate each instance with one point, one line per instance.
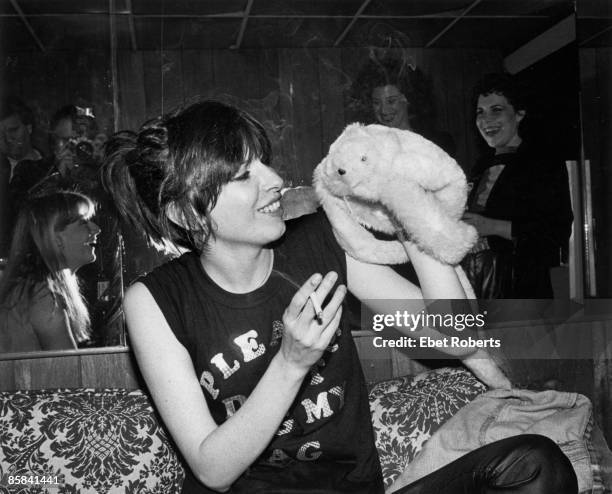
(376, 284)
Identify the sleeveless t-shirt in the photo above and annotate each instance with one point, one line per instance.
(325, 443)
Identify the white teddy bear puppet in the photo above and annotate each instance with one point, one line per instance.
(396, 182)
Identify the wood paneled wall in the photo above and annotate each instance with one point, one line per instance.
(104, 370)
(299, 94)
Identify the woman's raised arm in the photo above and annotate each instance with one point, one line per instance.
(377, 283)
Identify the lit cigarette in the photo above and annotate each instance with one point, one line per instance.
(317, 308)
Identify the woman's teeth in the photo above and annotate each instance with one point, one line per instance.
(270, 208)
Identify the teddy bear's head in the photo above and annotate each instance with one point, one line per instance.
(354, 162)
(396, 182)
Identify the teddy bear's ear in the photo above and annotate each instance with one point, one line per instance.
(352, 129)
(353, 126)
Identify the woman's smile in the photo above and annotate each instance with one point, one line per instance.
(273, 208)
(497, 121)
(248, 209)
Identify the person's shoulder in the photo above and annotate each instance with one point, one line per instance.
(171, 269)
(42, 298)
(546, 159)
(45, 308)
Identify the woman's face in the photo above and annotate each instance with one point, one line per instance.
(77, 241)
(248, 208)
(497, 121)
(390, 107)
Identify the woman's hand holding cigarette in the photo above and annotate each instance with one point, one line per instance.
(309, 328)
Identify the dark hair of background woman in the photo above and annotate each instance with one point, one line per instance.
(513, 90)
(410, 80)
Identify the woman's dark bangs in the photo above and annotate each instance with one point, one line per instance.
(254, 143)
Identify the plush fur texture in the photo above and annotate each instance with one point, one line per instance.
(397, 182)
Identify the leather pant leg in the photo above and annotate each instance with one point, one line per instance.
(525, 464)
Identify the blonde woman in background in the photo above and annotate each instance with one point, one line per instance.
(41, 306)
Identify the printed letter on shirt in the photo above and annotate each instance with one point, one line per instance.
(286, 427)
(339, 392)
(249, 346)
(221, 364)
(208, 382)
(321, 409)
(304, 455)
(279, 458)
(277, 333)
(233, 403)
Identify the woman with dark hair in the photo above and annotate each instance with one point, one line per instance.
(397, 94)
(41, 307)
(261, 389)
(519, 202)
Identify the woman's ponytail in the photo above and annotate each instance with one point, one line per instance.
(132, 174)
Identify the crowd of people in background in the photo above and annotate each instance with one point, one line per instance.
(519, 200)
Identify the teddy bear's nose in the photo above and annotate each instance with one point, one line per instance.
(341, 171)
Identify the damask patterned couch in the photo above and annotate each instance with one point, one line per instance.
(110, 441)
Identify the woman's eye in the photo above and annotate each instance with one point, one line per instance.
(243, 176)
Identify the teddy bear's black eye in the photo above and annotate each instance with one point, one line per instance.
(364, 158)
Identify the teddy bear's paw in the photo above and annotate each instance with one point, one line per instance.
(453, 198)
(466, 237)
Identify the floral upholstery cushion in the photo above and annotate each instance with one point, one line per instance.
(99, 441)
(110, 441)
(406, 411)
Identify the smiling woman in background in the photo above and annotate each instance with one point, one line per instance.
(41, 307)
(397, 94)
(519, 202)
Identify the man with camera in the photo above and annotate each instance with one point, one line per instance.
(73, 165)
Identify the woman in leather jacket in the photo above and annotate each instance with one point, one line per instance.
(519, 202)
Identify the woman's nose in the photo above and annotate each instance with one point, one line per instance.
(488, 117)
(271, 179)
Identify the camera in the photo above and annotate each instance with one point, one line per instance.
(83, 149)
